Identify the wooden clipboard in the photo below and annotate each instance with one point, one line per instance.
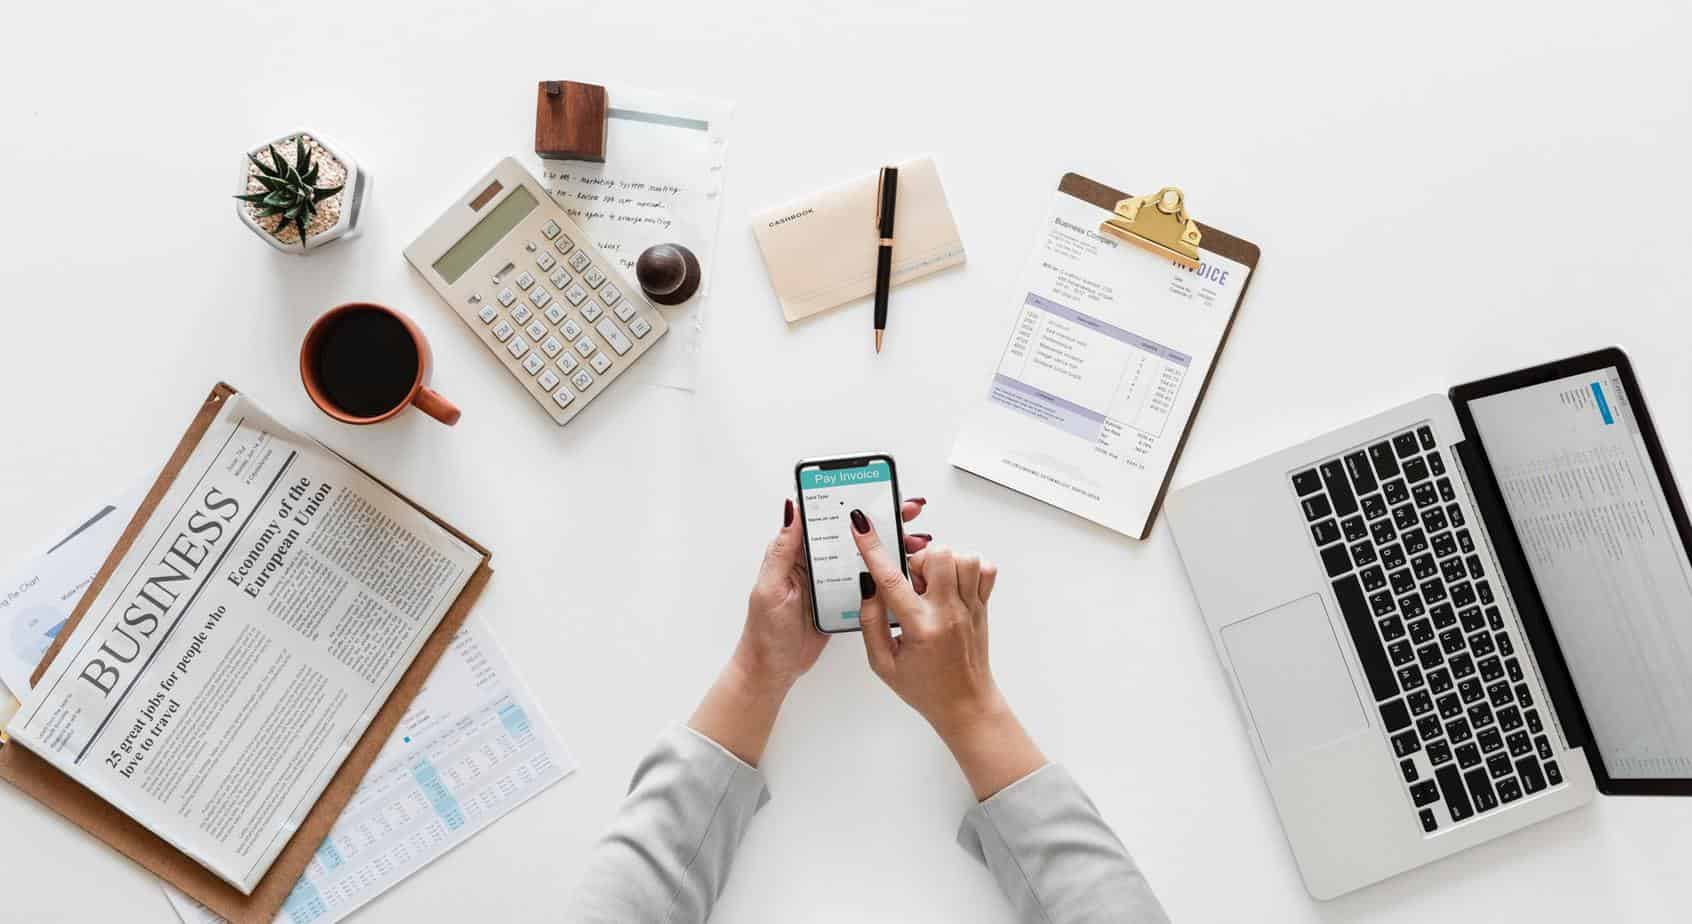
(52, 788)
(1215, 240)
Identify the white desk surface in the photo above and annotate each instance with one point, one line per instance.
(1439, 195)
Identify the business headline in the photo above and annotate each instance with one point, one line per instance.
(131, 637)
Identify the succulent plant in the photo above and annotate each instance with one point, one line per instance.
(290, 193)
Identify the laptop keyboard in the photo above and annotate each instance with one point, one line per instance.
(1394, 540)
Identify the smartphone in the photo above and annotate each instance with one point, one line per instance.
(829, 490)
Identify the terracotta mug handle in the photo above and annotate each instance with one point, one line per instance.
(430, 402)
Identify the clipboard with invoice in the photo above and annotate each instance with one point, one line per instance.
(1107, 358)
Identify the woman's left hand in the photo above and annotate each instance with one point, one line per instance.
(779, 642)
(777, 645)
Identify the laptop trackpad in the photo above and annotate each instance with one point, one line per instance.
(1296, 685)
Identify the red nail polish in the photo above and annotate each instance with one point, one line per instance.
(924, 536)
(787, 514)
(860, 522)
(866, 585)
(919, 501)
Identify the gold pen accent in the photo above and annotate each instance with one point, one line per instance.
(880, 176)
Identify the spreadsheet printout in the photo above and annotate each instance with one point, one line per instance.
(473, 746)
(1100, 372)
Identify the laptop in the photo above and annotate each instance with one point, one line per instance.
(1454, 619)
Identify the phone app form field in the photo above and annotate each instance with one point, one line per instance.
(1101, 371)
(827, 499)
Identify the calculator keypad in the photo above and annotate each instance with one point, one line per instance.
(559, 311)
(613, 336)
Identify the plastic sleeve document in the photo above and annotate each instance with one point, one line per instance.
(1100, 372)
(39, 597)
(243, 643)
(473, 746)
(662, 183)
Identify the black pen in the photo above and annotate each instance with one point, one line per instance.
(887, 193)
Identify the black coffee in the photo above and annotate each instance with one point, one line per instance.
(366, 362)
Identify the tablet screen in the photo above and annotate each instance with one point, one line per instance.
(1609, 562)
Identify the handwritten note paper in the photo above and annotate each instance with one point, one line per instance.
(632, 203)
(661, 183)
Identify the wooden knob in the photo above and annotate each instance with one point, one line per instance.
(668, 273)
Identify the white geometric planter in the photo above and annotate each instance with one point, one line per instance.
(339, 214)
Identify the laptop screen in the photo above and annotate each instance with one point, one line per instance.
(1610, 565)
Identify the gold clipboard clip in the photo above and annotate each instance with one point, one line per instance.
(1159, 223)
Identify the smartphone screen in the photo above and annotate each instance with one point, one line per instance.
(829, 490)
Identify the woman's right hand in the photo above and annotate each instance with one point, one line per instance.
(939, 664)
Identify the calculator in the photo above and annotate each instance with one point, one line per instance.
(536, 290)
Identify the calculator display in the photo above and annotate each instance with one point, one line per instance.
(495, 225)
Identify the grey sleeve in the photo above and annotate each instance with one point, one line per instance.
(667, 854)
(1054, 857)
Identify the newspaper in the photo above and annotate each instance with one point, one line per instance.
(244, 643)
(473, 746)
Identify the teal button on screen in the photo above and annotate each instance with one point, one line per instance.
(841, 477)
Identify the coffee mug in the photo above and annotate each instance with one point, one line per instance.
(363, 363)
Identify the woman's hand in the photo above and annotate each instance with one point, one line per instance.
(939, 665)
(778, 643)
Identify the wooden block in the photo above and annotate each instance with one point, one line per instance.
(570, 121)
